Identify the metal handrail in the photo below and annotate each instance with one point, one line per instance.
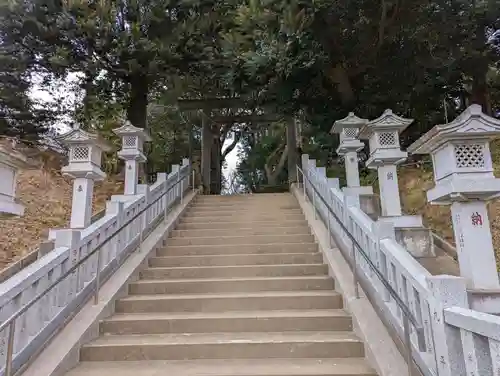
(408, 316)
(11, 321)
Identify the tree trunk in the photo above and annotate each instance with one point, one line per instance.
(272, 180)
(479, 67)
(272, 175)
(340, 77)
(138, 103)
(216, 170)
(206, 155)
(480, 92)
(291, 141)
(137, 109)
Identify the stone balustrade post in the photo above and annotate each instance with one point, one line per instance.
(115, 208)
(133, 139)
(144, 189)
(185, 181)
(447, 291)
(70, 238)
(304, 160)
(382, 230)
(85, 153)
(463, 173)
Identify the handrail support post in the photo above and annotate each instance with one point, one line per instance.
(10, 348)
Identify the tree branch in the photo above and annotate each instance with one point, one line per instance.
(382, 24)
(281, 163)
(230, 148)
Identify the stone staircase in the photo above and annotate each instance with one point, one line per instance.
(240, 290)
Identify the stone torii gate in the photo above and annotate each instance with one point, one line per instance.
(207, 135)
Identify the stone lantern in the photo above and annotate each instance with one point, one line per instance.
(348, 130)
(463, 173)
(85, 153)
(133, 139)
(10, 162)
(385, 154)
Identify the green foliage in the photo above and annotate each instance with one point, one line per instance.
(315, 60)
(20, 116)
(173, 137)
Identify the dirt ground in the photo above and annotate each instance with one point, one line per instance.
(47, 200)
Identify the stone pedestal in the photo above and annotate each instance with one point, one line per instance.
(81, 206)
(463, 173)
(85, 153)
(471, 228)
(385, 154)
(10, 162)
(133, 139)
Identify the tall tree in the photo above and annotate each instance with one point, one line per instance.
(20, 116)
(125, 49)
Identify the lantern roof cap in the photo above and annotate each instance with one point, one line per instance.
(471, 124)
(388, 121)
(350, 121)
(79, 136)
(129, 129)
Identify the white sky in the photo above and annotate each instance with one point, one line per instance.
(65, 93)
(231, 159)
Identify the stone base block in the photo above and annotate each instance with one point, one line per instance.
(405, 221)
(370, 205)
(358, 190)
(418, 241)
(485, 300)
(9, 208)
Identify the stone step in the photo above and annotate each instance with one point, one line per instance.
(228, 367)
(248, 197)
(257, 239)
(223, 346)
(230, 249)
(212, 285)
(242, 218)
(249, 206)
(220, 302)
(237, 259)
(235, 271)
(248, 321)
(302, 230)
(251, 212)
(235, 225)
(243, 199)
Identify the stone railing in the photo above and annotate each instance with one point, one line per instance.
(32, 315)
(36, 253)
(479, 340)
(409, 300)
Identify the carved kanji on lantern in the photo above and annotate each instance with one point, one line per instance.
(477, 220)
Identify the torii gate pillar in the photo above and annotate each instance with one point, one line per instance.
(206, 154)
(291, 139)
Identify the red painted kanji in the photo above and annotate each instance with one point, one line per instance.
(477, 220)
